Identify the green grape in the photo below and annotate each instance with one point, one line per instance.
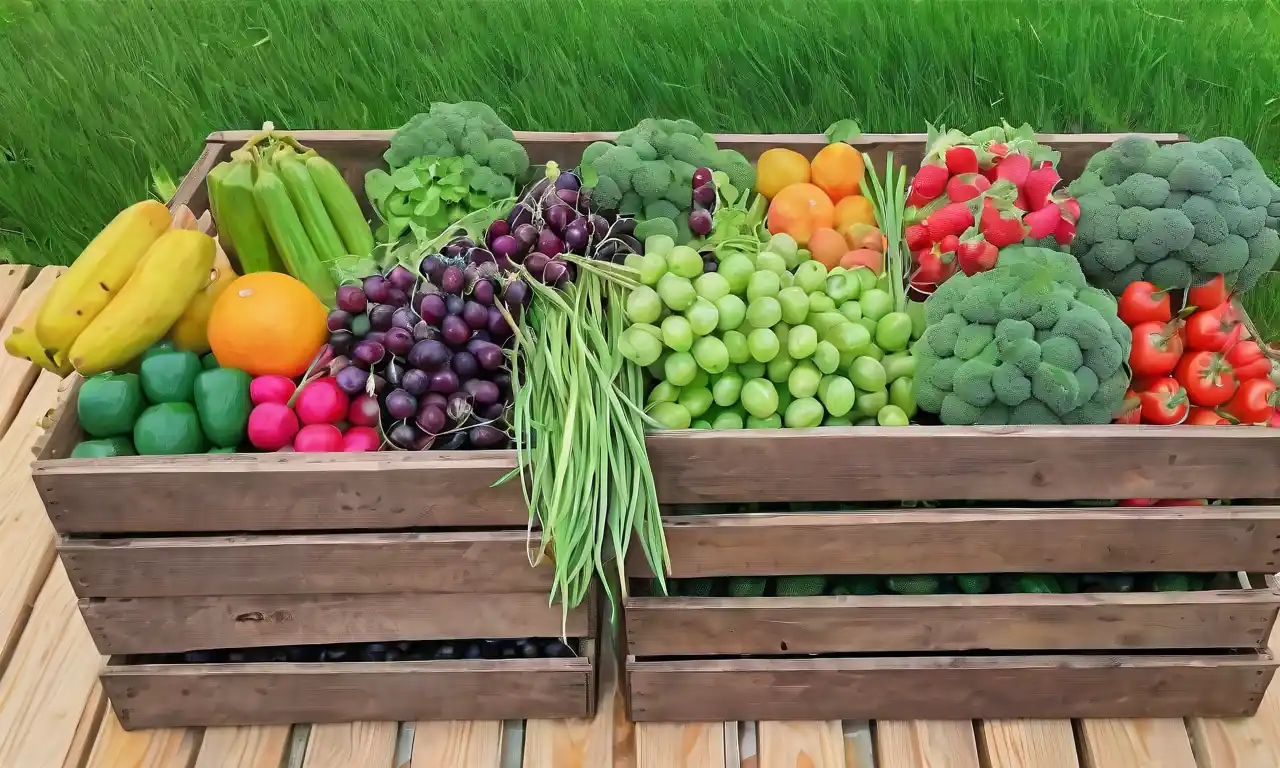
(835, 421)
(898, 365)
(696, 400)
(711, 286)
(685, 262)
(802, 341)
(823, 322)
(763, 284)
(779, 368)
(700, 424)
(639, 347)
(803, 380)
(842, 287)
(702, 317)
(826, 357)
(785, 246)
(772, 421)
(652, 330)
(803, 413)
(633, 261)
(660, 244)
(671, 415)
(735, 345)
(752, 370)
(711, 354)
(676, 292)
(868, 404)
(727, 389)
(851, 310)
(763, 344)
(784, 396)
(892, 416)
(644, 305)
(664, 392)
(811, 276)
(677, 333)
(771, 262)
(732, 311)
(876, 303)
(783, 332)
(838, 394)
(869, 324)
(786, 280)
(727, 420)
(759, 398)
(866, 277)
(902, 393)
(764, 311)
(868, 374)
(659, 367)
(652, 267)
(795, 304)
(680, 368)
(820, 302)
(893, 331)
(848, 337)
(737, 269)
(700, 379)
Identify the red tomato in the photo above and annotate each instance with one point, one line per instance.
(1142, 302)
(1253, 402)
(1164, 403)
(1181, 502)
(1207, 377)
(1248, 360)
(1130, 410)
(1137, 502)
(1206, 417)
(1157, 348)
(1207, 296)
(1214, 329)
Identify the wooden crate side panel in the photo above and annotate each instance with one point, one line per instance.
(193, 192)
(948, 688)
(164, 696)
(660, 626)
(176, 624)
(1080, 539)
(942, 463)
(371, 563)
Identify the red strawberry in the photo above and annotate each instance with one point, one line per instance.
(1065, 231)
(1070, 208)
(917, 237)
(966, 186)
(990, 173)
(929, 181)
(998, 149)
(917, 200)
(951, 219)
(1039, 186)
(931, 268)
(1020, 202)
(998, 229)
(962, 160)
(976, 255)
(1015, 168)
(1043, 222)
(949, 244)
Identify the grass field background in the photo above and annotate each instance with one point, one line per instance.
(97, 96)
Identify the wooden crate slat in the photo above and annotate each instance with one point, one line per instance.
(176, 624)
(1142, 742)
(244, 747)
(335, 563)
(1077, 539)
(948, 687)
(695, 626)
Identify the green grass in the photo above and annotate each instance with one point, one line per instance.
(95, 96)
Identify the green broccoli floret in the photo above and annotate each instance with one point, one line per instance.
(862, 585)
(1142, 190)
(697, 587)
(972, 340)
(661, 209)
(1061, 351)
(508, 158)
(800, 586)
(1207, 220)
(687, 148)
(660, 226)
(593, 152)
(973, 583)
(972, 383)
(618, 163)
(913, 585)
(631, 205)
(741, 173)
(1010, 384)
(605, 195)
(747, 586)
(651, 179)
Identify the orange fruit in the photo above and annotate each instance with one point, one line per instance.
(799, 210)
(827, 246)
(863, 257)
(854, 209)
(837, 170)
(267, 323)
(863, 236)
(778, 168)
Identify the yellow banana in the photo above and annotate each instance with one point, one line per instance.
(25, 344)
(191, 332)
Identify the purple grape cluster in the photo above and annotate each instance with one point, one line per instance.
(426, 352)
(704, 203)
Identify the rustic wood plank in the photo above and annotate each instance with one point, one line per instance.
(163, 748)
(748, 747)
(13, 279)
(87, 729)
(926, 744)
(660, 626)
(335, 563)
(457, 744)
(26, 540)
(247, 747)
(16, 374)
(192, 191)
(167, 695)
(44, 692)
(1023, 743)
(347, 745)
(1240, 742)
(794, 744)
(1023, 463)
(1082, 539)
(577, 742)
(947, 687)
(168, 624)
(680, 745)
(1135, 743)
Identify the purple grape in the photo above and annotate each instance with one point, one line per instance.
(519, 216)
(436, 399)
(597, 225)
(444, 382)
(482, 257)
(700, 223)
(465, 365)
(526, 236)
(568, 181)
(701, 177)
(430, 355)
(470, 274)
(705, 196)
(342, 341)
(459, 408)
(453, 304)
(380, 316)
(492, 411)
(404, 435)
(454, 441)
(488, 354)
(709, 266)
(452, 281)
(455, 330)
(401, 278)
(352, 380)
(401, 404)
(505, 246)
(625, 226)
(377, 336)
(368, 353)
(379, 384)
(536, 262)
(397, 297)
(475, 316)
(398, 340)
(394, 372)
(422, 330)
(431, 419)
(549, 244)
(499, 228)
(498, 326)
(479, 336)
(556, 273)
(432, 308)
(503, 380)
(568, 196)
(483, 293)
(485, 436)
(516, 293)
(415, 382)
(558, 217)
(432, 267)
(576, 235)
(351, 299)
(403, 318)
(376, 288)
(339, 320)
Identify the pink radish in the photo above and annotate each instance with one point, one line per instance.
(361, 439)
(318, 438)
(364, 411)
(321, 402)
(271, 389)
(272, 426)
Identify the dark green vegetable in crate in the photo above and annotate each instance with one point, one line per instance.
(109, 404)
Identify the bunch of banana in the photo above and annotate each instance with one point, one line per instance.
(281, 207)
(127, 289)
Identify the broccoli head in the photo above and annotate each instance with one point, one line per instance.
(1175, 215)
(1028, 342)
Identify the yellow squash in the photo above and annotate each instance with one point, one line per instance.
(191, 332)
(23, 343)
(100, 272)
(175, 270)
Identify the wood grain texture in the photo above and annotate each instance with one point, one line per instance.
(457, 744)
(926, 744)
(43, 694)
(16, 304)
(26, 540)
(662, 626)
(680, 745)
(335, 563)
(162, 695)
(947, 687)
(347, 745)
(1239, 742)
(95, 708)
(1023, 463)
(193, 192)
(996, 540)
(246, 747)
(1022, 743)
(162, 748)
(169, 624)
(792, 744)
(1137, 743)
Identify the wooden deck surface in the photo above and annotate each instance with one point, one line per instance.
(53, 713)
